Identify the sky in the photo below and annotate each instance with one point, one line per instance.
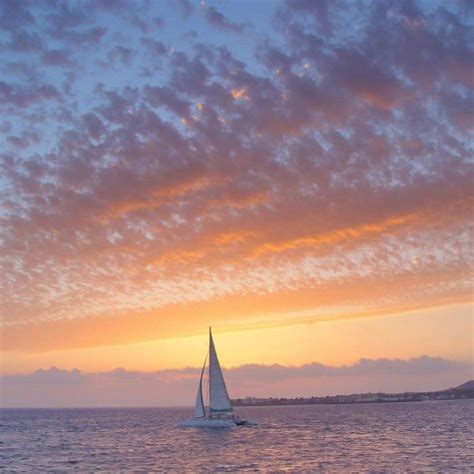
(296, 174)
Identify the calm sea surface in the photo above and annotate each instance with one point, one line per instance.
(398, 437)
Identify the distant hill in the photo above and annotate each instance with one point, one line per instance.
(465, 387)
(463, 391)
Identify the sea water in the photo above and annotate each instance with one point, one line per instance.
(385, 437)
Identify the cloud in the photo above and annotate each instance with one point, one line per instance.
(186, 8)
(421, 366)
(56, 58)
(217, 19)
(11, 95)
(51, 376)
(148, 173)
(15, 14)
(120, 387)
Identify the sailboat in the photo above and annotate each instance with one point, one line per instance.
(219, 413)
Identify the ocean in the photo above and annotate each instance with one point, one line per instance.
(386, 437)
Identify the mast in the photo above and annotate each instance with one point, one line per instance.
(209, 374)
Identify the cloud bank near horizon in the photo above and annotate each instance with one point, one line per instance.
(120, 387)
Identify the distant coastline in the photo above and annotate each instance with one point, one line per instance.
(463, 391)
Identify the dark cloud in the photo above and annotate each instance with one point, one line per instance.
(85, 37)
(56, 57)
(22, 41)
(159, 22)
(217, 19)
(120, 54)
(19, 97)
(15, 14)
(156, 47)
(186, 8)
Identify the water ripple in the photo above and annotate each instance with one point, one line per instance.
(415, 437)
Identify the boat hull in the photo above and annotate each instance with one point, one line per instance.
(216, 423)
(207, 423)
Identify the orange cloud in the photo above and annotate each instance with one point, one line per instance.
(235, 237)
(247, 310)
(155, 198)
(338, 235)
(239, 93)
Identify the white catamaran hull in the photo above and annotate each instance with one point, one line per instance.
(210, 423)
(206, 423)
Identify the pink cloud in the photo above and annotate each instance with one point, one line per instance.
(119, 387)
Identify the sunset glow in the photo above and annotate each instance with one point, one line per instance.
(297, 175)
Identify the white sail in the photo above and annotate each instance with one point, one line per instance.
(219, 401)
(199, 411)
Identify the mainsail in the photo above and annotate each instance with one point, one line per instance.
(199, 411)
(219, 401)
